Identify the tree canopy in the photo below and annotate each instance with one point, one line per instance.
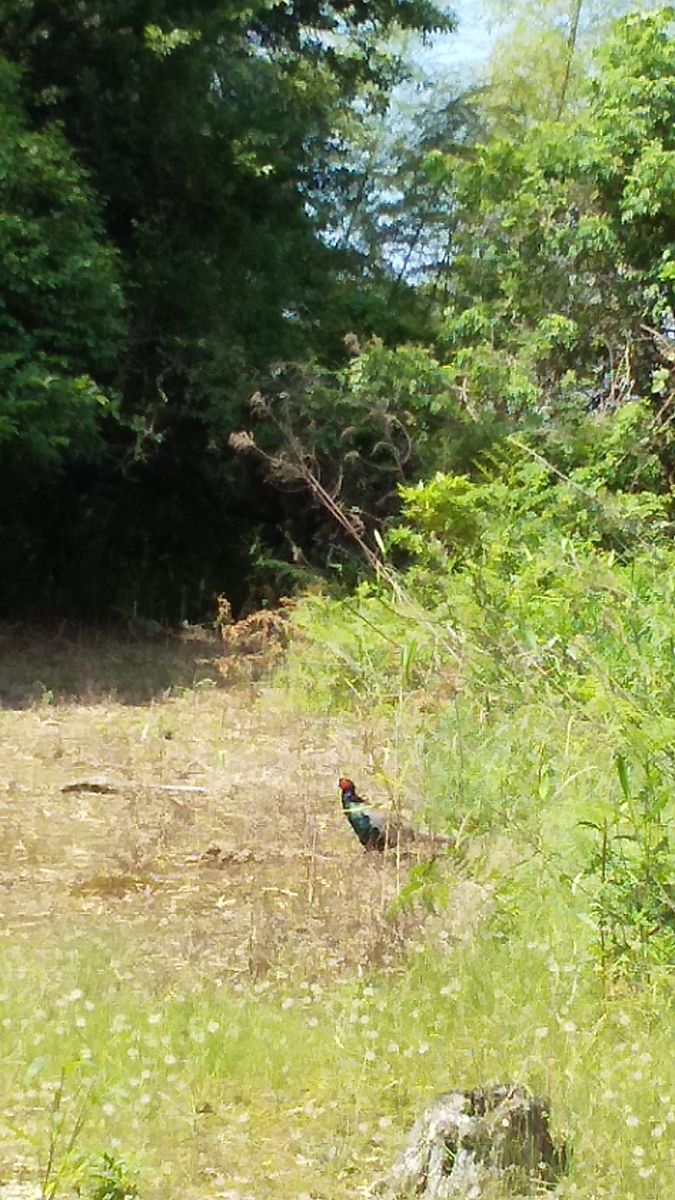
(61, 302)
(206, 203)
(564, 241)
(206, 135)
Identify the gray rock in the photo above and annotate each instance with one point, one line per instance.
(478, 1144)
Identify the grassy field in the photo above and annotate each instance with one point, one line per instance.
(267, 1020)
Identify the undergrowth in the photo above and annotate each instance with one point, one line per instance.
(524, 672)
(535, 699)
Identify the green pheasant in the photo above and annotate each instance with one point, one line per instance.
(378, 830)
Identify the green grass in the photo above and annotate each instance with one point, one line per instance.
(290, 1087)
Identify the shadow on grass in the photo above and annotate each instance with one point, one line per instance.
(62, 666)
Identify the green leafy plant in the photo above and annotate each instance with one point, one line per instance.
(632, 863)
(61, 321)
(108, 1179)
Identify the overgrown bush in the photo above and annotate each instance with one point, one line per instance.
(526, 649)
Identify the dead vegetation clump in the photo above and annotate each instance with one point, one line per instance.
(113, 886)
(253, 646)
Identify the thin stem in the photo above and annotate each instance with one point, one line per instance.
(571, 47)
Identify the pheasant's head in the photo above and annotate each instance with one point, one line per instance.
(345, 785)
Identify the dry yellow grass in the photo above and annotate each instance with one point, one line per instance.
(167, 771)
(124, 766)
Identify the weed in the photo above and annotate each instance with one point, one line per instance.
(107, 1179)
(635, 901)
(63, 1157)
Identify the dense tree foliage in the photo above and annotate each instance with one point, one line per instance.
(203, 128)
(206, 132)
(60, 297)
(396, 298)
(564, 245)
(557, 317)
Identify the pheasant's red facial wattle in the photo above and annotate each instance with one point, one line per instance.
(345, 785)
